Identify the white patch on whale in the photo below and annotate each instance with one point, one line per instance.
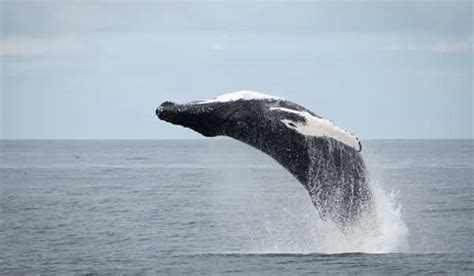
(240, 95)
(319, 127)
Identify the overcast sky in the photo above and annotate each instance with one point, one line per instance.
(98, 69)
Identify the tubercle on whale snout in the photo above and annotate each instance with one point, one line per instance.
(167, 109)
(168, 103)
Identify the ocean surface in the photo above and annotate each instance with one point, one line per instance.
(217, 206)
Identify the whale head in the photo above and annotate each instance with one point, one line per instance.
(202, 118)
(212, 117)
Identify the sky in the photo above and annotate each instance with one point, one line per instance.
(98, 69)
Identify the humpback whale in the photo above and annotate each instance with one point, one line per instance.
(323, 157)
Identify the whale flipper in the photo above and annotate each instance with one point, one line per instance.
(325, 158)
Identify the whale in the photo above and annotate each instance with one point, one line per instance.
(323, 157)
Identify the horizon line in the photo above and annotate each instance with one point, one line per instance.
(198, 139)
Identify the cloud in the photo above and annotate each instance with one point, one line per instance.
(79, 17)
(441, 47)
(29, 46)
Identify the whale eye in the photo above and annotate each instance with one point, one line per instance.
(292, 124)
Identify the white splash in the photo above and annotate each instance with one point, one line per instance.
(318, 127)
(385, 233)
(240, 95)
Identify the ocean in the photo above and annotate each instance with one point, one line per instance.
(216, 206)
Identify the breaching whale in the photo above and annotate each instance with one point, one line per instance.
(325, 158)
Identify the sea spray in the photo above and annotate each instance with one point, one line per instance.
(260, 209)
(382, 231)
(277, 216)
(376, 226)
(337, 182)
